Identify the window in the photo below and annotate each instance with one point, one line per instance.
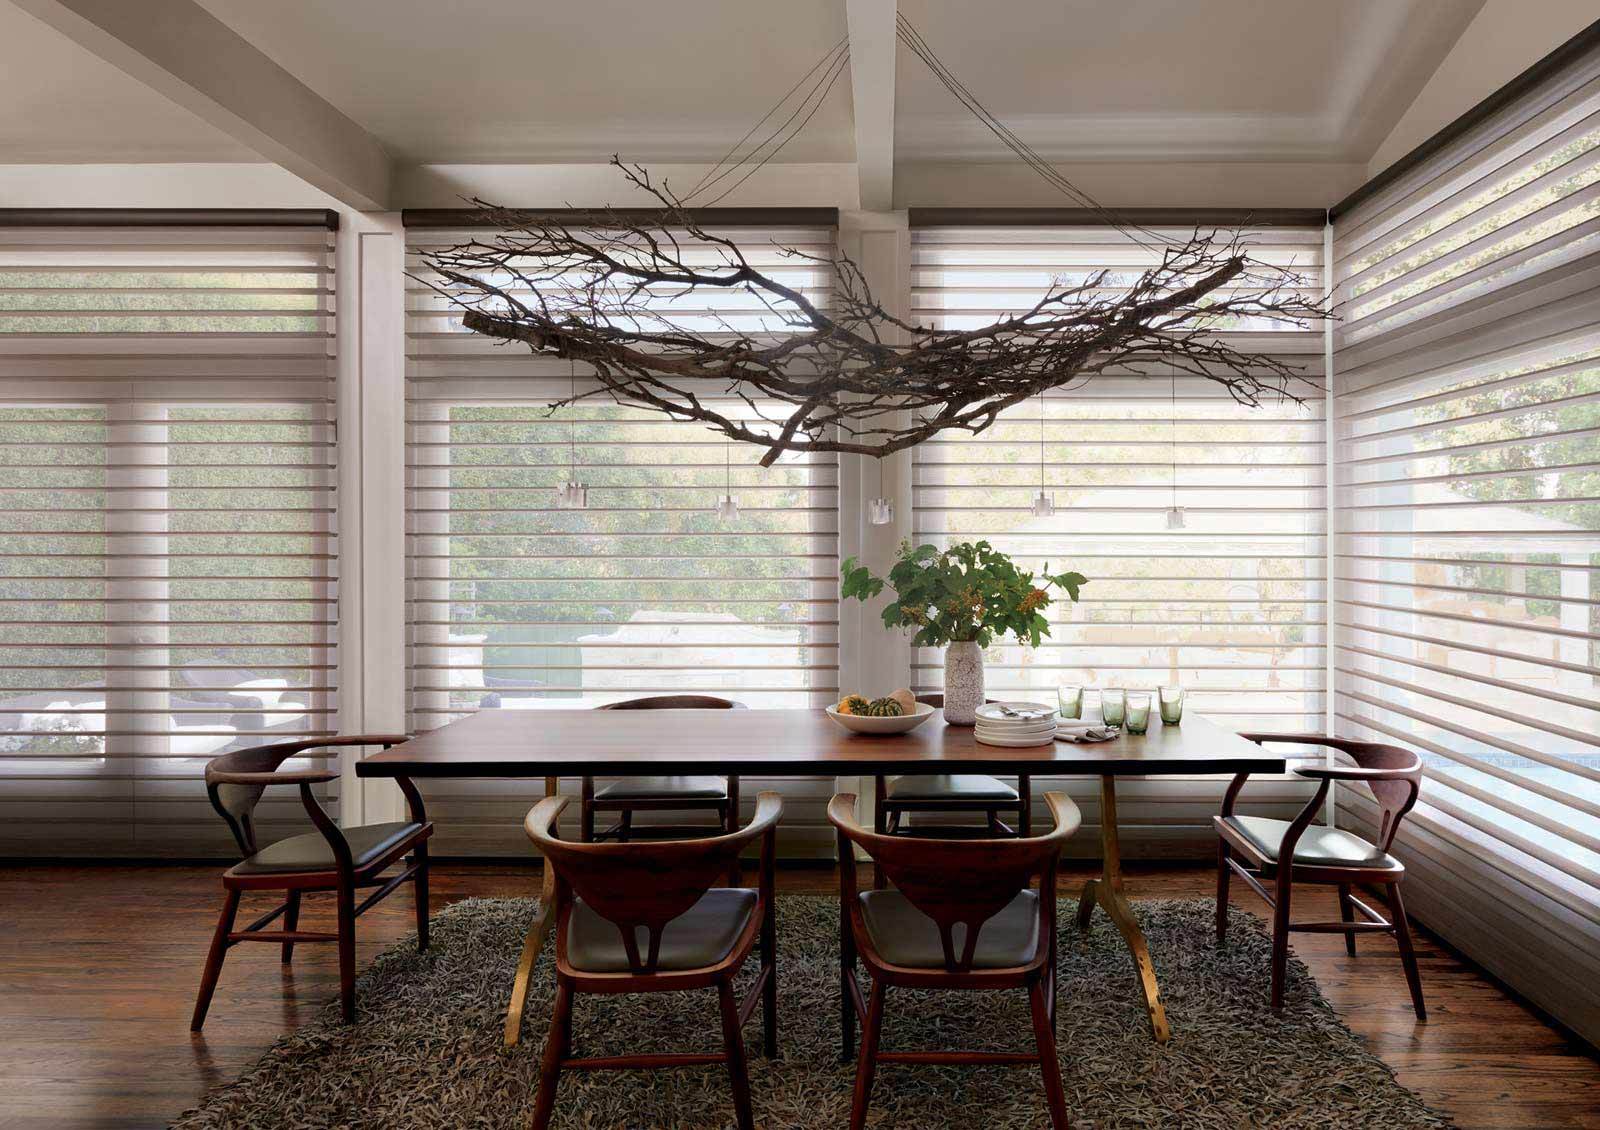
(1468, 526)
(166, 557)
(1231, 605)
(516, 603)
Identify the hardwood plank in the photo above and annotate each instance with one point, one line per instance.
(95, 1019)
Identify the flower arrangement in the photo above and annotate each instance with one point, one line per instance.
(968, 592)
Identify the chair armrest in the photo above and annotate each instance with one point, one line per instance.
(298, 777)
(769, 810)
(542, 817)
(1066, 815)
(1287, 739)
(359, 739)
(1353, 773)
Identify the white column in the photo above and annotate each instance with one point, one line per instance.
(371, 320)
(872, 658)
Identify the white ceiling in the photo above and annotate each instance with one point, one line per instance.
(1288, 80)
(61, 104)
(513, 80)
(505, 81)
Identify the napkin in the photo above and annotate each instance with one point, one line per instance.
(1083, 732)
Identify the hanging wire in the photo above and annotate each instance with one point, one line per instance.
(1175, 519)
(1044, 506)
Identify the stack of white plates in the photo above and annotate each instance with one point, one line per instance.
(1015, 724)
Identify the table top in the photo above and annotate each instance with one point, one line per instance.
(783, 743)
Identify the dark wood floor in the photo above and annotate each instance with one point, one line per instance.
(99, 967)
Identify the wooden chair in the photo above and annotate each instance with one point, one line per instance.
(952, 792)
(696, 937)
(1319, 854)
(328, 859)
(663, 794)
(907, 937)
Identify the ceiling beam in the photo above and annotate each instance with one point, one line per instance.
(186, 53)
(872, 56)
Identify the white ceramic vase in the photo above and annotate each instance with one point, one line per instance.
(963, 682)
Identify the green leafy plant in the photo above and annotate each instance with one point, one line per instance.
(969, 591)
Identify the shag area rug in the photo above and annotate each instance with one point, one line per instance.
(427, 1051)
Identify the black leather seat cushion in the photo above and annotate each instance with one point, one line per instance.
(311, 852)
(905, 936)
(1319, 846)
(962, 788)
(664, 788)
(703, 935)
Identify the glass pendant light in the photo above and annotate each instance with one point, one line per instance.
(1175, 519)
(880, 511)
(573, 494)
(727, 505)
(1044, 505)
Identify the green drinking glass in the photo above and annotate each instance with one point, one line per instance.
(1112, 706)
(1069, 702)
(1138, 713)
(1171, 705)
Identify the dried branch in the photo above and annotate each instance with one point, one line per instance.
(631, 299)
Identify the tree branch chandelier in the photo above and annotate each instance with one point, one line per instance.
(643, 297)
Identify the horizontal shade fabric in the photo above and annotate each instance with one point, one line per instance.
(1231, 606)
(167, 526)
(1468, 526)
(517, 603)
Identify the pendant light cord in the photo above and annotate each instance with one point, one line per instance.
(1172, 435)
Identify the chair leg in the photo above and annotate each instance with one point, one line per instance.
(219, 950)
(544, 1100)
(625, 826)
(769, 992)
(733, 1042)
(291, 919)
(847, 973)
(1280, 938)
(346, 896)
(1024, 806)
(880, 824)
(586, 810)
(1408, 955)
(419, 890)
(867, 1064)
(730, 825)
(1224, 874)
(1044, 1035)
(1347, 913)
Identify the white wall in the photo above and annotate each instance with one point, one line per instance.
(1506, 38)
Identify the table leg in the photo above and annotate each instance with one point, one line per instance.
(1107, 892)
(534, 942)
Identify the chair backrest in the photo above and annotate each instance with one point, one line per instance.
(236, 803)
(1395, 793)
(642, 885)
(675, 702)
(964, 882)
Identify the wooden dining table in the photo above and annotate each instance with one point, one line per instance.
(500, 743)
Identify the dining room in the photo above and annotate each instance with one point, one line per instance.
(877, 563)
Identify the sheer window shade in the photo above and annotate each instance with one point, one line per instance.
(517, 604)
(1468, 552)
(167, 520)
(1232, 606)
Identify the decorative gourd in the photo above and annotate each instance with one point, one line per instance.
(907, 700)
(854, 704)
(884, 708)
